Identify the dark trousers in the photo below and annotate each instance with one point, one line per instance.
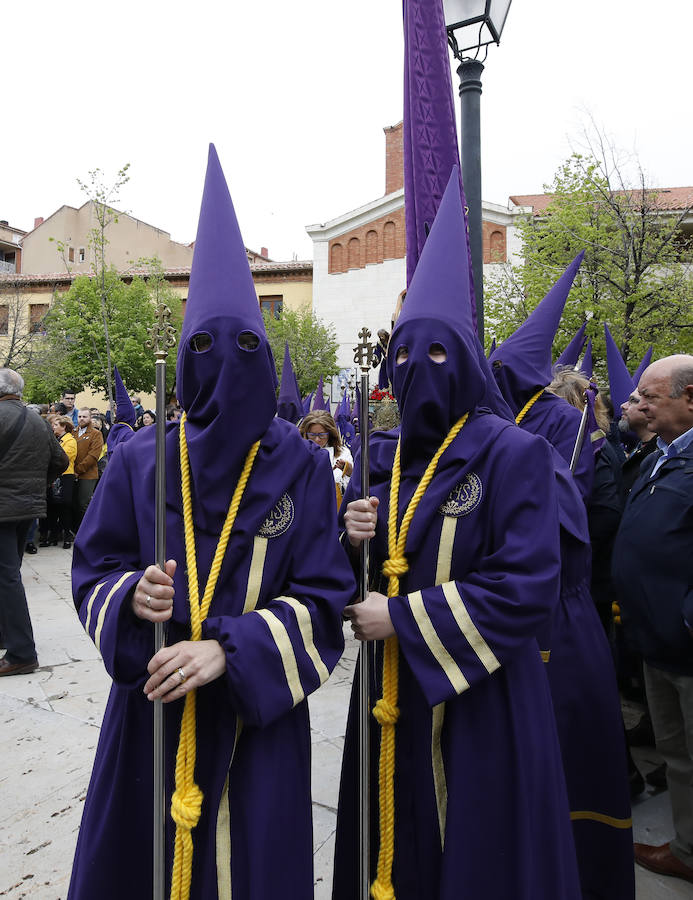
(15, 624)
(83, 492)
(60, 514)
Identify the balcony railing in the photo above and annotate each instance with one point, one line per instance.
(8, 267)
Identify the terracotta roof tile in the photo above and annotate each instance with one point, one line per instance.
(667, 198)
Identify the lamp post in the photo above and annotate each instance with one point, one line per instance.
(471, 25)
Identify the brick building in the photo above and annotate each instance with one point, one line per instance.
(359, 258)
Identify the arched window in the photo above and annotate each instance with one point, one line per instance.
(354, 253)
(337, 258)
(389, 238)
(497, 247)
(371, 247)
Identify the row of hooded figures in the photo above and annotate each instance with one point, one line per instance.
(498, 764)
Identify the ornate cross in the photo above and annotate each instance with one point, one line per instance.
(162, 335)
(363, 352)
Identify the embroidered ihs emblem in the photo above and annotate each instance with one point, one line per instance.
(463, 498)
(280, 519)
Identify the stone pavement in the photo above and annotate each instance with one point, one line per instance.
(49, 725)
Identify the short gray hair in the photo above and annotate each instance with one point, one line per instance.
(11, 382)
(681, 377)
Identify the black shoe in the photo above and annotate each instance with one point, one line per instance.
(657, 777)
(31, 548)
(44, 543)
(641, 735)
(67, 545)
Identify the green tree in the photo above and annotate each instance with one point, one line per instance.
(636, 275)
(312, 345)
(75, 345)
(102, 196)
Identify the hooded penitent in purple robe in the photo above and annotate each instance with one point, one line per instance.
(522, 366)
(123, 427)
(276, 610)
(289, 406)
(588, 713)
(479, 794)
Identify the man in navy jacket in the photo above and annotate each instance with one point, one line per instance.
(652, 566)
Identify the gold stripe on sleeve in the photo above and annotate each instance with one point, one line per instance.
(545, 655)
(305, 625)
(102, 611)
(439, 780)
(447, 540)
(468, 628)
(286, 651)
(90, 604)
(581, 814)
(257, 567)
(428, 633)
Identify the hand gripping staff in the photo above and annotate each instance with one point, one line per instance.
(161, 338)
(363, 357)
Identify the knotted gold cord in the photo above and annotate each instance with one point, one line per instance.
(186, 803)
(385, 710)
(528, 405)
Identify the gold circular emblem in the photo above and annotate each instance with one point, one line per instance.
(280, 519)
(463, 498)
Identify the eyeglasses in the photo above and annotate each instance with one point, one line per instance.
(313, 435)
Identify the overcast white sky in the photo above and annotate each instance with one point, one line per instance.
(295, 96)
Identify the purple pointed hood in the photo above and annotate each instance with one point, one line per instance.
(644, 363)
(587, 366)
(225, 376)
(437, 311)
(319, 401)
(572, 352)
(125, 411)
(522, 363)
(289, 405)
(620, 381)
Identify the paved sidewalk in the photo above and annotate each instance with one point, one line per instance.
(49, 723)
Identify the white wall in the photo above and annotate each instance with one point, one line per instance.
(355, 298)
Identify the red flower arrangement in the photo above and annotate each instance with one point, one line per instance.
(379, 394)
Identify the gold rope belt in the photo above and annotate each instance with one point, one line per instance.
(186, 803)
(385, 710)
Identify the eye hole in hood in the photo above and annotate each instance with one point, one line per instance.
(248, 341)
(201, 342)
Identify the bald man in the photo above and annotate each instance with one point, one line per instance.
(652, 567)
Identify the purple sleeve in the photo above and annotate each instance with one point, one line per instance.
(105, 570)
(278, 654)
(456, 634)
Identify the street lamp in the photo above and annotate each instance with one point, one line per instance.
(471, 25)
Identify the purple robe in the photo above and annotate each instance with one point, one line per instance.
(555, 419)
(277, 615)
(480, 797)
(119, 433)
(588, 713)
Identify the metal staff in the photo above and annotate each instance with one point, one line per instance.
(363, 357)
(161, 338)
(580, 439)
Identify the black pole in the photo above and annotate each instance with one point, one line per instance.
(469, 72)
